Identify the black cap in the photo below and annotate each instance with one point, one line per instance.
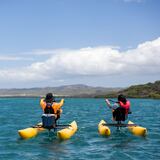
(49, 97)
(122, 98)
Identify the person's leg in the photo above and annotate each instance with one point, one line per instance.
(113, 115)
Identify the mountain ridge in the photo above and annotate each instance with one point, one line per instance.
(148, 90)
(76, 90)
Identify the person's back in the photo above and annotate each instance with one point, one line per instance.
(119, 114)
(120, 109)
(50, 106)
(49, 109)
(124, 103)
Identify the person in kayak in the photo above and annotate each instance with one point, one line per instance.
(50, 106)
(120, 109)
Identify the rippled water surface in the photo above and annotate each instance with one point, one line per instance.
(18, 113)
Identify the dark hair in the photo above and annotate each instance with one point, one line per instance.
(122, 98)
(49, 98)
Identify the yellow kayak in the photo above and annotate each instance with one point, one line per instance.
(30, 132)
(65, 133)
(68, 132)
(103, 129)
(137, 130)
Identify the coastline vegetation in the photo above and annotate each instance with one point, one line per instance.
(149, 90)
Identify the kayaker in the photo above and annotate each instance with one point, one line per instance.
(50, 106)
(120, 109)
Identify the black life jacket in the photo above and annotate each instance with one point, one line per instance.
(49, 109)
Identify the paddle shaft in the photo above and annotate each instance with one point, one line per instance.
(59, 125)
(120, 125)
(112, 101)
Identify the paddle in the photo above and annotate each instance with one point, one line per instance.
(37, 126)
(62, 126)
(57, 126)
(119, 125)
(112, 101)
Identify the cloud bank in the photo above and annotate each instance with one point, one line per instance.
(89, 62)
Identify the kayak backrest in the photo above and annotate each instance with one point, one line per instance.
(48, 121)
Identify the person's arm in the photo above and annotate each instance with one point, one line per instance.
(57, 106)
(61, 103)
(108, 103)
(114, 106)
(42, 104)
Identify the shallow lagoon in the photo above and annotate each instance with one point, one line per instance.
(18, 113)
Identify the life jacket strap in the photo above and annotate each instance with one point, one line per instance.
(48, 109)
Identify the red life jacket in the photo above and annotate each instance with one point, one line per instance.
(125, 106)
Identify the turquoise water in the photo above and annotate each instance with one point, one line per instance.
(18, 113)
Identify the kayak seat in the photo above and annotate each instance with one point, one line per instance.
(119, 114)
(48, 121)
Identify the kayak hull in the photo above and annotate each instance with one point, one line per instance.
(103, 129)
(137, 130)
(68, 132)
(30, 132)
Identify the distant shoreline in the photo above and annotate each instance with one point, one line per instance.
(147, 91)
(77, 97)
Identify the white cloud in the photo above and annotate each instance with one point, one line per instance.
(89, 62)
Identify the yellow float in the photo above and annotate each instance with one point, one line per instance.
(68, 132)
(103, 129)
(137, 130)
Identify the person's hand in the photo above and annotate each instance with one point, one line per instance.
(62, 100)
(107, 101)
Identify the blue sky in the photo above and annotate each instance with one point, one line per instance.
(34, 33)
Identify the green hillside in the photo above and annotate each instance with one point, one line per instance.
(149, 90)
